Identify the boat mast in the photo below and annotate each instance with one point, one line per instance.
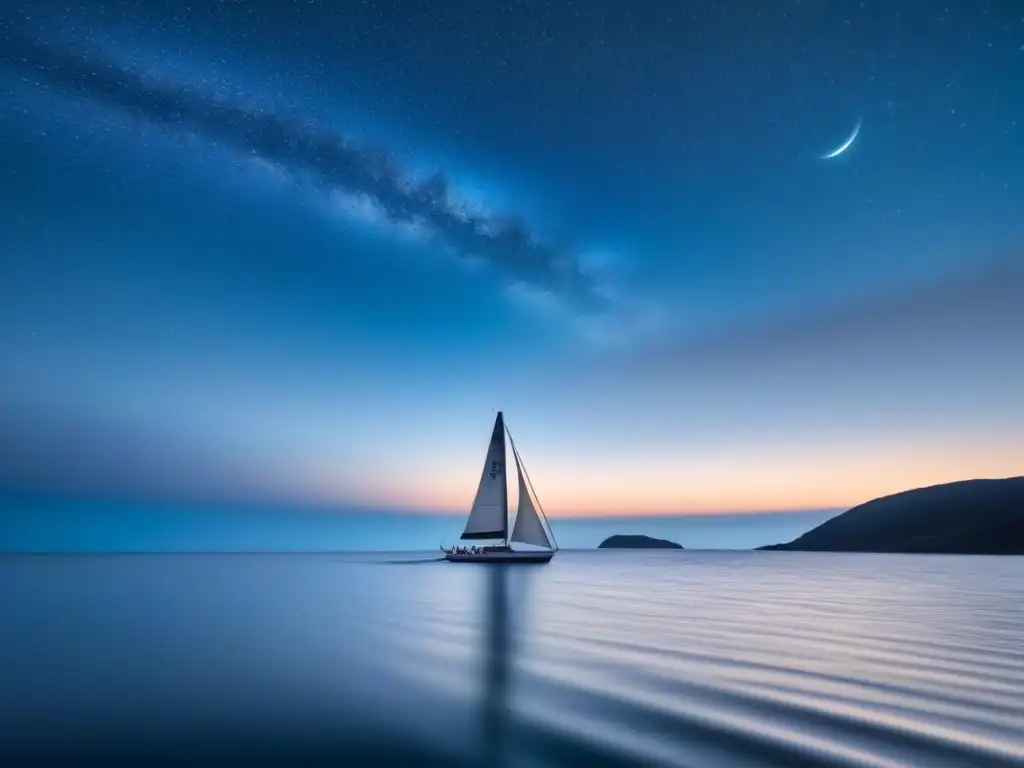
(504, 540)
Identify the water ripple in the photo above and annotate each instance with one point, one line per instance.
(600, 659)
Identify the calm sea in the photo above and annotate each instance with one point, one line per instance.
(603, 658)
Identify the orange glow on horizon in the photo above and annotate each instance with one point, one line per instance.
(590, 512)
(836, 477)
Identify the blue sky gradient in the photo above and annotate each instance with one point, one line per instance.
(272, 254)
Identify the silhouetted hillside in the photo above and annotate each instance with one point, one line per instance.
(971, 517)
(636, 541)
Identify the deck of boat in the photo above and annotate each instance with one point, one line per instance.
(499, 557)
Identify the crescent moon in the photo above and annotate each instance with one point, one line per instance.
(845, 145)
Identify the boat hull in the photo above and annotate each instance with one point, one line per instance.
(499, 557)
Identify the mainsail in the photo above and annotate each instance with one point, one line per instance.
(489, 517)
(528, 528)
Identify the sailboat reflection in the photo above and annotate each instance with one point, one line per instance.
(497, 657)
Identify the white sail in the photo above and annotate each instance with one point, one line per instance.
(528, 528)
(489, 517)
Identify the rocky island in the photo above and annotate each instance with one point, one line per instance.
(970, 517)
(636, 541)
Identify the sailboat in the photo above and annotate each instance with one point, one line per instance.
(488, 518)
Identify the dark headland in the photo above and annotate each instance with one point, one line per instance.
(623, 541)
(971, 517)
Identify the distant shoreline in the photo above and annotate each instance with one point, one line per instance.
(970, 517)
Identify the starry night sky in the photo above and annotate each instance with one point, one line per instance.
(299, 251)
